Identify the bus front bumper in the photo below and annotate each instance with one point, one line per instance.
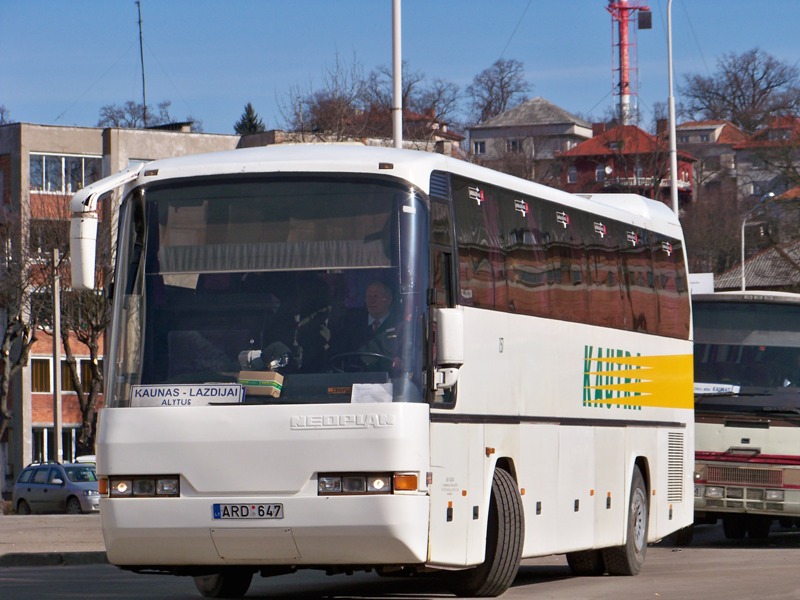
(314, 531)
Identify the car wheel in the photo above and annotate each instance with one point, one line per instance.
(73, 506)
(23, 508)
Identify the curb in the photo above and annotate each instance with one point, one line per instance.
(51, 559)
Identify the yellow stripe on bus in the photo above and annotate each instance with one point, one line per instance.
(658, 381)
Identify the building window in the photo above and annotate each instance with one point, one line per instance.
(43, 232)
(63, 174)
(683, 139)
(513, 146)
(479, 147)
(40, 375)
(572, 175)
(600, 173)
(66, 378)
(86, 371)
(704, 137)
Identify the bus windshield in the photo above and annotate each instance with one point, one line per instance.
(747, 350)
(318, 278)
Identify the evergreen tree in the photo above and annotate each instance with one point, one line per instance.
(249, 122)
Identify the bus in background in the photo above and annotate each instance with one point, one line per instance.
(351, 358)
(747, 374)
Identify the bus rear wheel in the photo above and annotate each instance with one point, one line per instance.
(231, 583)
(629, 558)
(504, 537)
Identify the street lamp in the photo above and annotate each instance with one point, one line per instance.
(673, 150)
(744, 222)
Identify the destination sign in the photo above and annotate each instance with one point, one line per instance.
(201, 394)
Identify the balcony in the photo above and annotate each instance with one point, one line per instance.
(643, 182)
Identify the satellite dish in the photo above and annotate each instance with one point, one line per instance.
(608, 170)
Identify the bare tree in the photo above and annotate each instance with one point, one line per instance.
(336, 109)
(497, 89)
(131, 115)
(438, 98)
(5, 115)
(22, 281)
(712, 234)
(85, 317)
(746, 90)
(379, 87)
(350, 105)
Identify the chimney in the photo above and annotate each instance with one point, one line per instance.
(662, 126)
(598, 128)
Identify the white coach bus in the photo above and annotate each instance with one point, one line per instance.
(530, 392)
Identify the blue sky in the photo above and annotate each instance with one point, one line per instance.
(60, 60)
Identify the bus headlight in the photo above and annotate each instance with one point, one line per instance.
(714, 492)
(737, 493)
(366, 483)
(775, 495)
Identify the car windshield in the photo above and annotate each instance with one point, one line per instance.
(81, 474)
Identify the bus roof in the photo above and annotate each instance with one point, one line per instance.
(410, 165)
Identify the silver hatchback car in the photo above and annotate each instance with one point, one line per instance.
(54, 487)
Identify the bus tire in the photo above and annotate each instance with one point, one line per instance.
(758, 527)
(504, 537)
(586, 563)
(629, 558)
(734, 527)
(231, 583)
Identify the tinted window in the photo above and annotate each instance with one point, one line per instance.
(523, 254)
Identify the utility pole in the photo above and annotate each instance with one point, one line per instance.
(141, 58)
(58, 451)
(397, 76)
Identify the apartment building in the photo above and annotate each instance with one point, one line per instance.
(41, 166)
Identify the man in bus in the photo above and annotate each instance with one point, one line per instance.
(369, 335)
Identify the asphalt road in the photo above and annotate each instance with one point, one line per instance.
(711, 567)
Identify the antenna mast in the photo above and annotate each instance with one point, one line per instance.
(141, 58)
(622, 13)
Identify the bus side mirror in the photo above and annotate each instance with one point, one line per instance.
(449, 346)
(83, 246)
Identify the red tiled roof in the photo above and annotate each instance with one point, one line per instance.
(625, 139)
(730, 133)
(790, 194)
(760, 139)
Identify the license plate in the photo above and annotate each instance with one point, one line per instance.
(248, 511)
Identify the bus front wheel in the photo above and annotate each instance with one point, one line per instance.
(231, 583)
(629, 558)
(504, 536)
